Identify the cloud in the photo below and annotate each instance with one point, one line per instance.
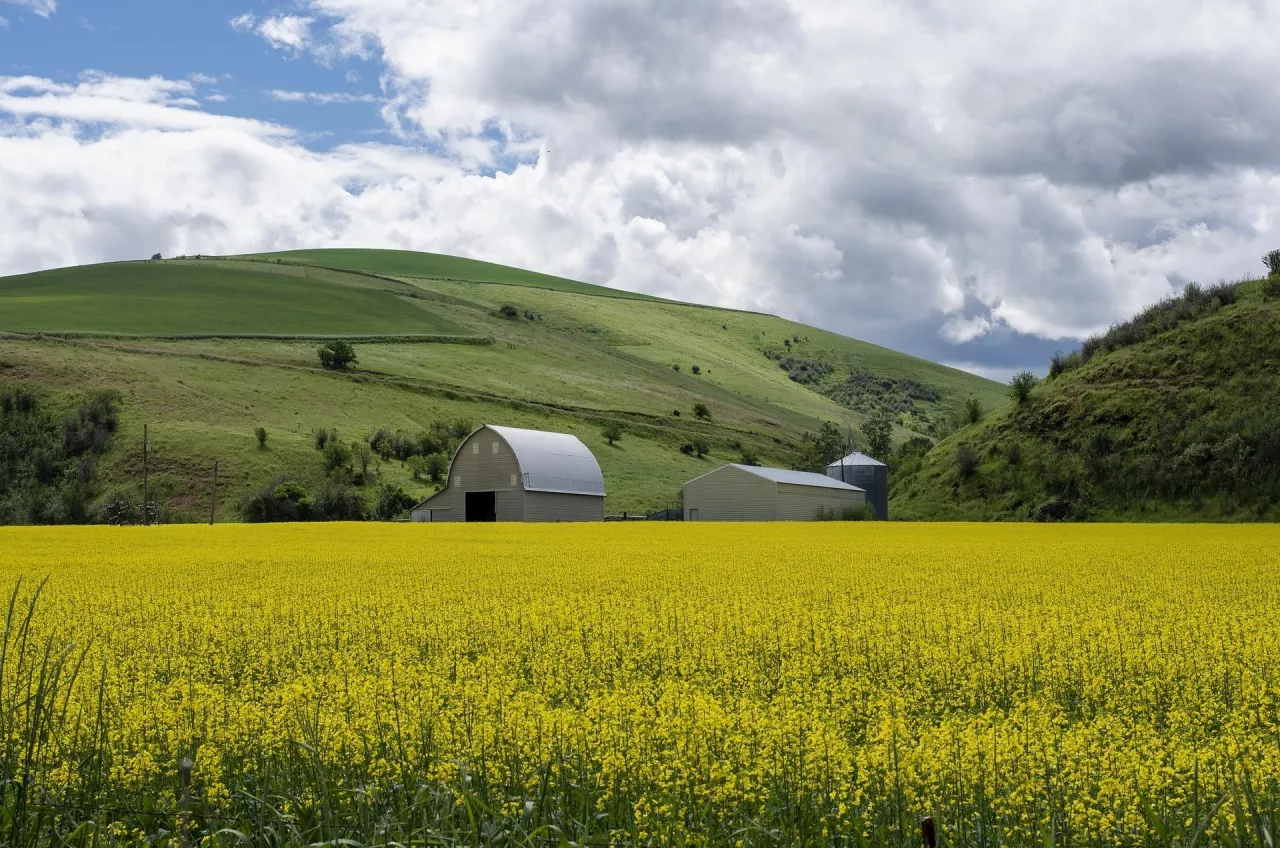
(320, 97)
(43, 8)
(202, 79)
(974, 188)
(286, 32)
(4, 22)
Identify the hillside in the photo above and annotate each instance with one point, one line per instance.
(1174, 415)
(206, 350)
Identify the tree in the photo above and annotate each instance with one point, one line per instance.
(700, 447)
(700, 411)
(1272, 260)
(337, 456)
(156, 256)
(337, 355)
(877, 429)
(261, 434)
(967, 461)
(437, 467)
(973, 409)
(1021, 385)
(696, 369)
(818, 450)
(363, 456)
(612, 431)
(418, 466)
(392, 502)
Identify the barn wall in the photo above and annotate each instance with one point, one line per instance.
(555, 506)
(730, 494)
(802, 503)
(477, 468)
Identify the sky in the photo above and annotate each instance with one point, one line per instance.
(976, 183)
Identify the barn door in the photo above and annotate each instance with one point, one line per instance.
(482, 506)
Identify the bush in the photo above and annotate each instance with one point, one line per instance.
(700, 411)
(337, 502)
(748, 458)
(337, 355)
(417, 467)
(967, 461)
(324, 437)
(686, 449)
(973, 410)
(700, 447)
(362, 455)
(337, 457)
(1271, 287)
(696, 369)
(1021, 385)
(612, 431)
(283, 500)
(508, 311)
(261, 435)
(1013, 452)
(392, 502)
(437, 467)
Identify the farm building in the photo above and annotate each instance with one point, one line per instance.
(858, 469)
(748, 493)
(509, 474)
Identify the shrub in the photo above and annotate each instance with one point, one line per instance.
(1013, 452)
(283, 500)
(686, 449)
(967, 461)
(337, 457)
(973, 410)
(508, 311)
(748, 458)
(362, 455)
(324, 437)
(337, 355)
(417, 467)
(528, 315)
(612, 431)
(1271, 288)
(700, 411)
(676, 413)
(1272, 260)
(261, 435)
(675, 367)
(1021, 385)
(695, 369)
(337, 502)
(392, 502)
(700, 447)
(437, 467)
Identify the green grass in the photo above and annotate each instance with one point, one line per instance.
(1184, 425)
(584, 360)
(177, 298)
(408, 263)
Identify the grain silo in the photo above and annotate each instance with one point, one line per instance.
(750, 493)
(858, 469)
(509, 474)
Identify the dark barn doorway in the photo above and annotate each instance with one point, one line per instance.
(482, 506)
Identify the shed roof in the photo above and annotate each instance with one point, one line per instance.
(794, 478)
(553, 462)
(856, 458)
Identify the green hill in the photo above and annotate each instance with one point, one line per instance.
(1174, 415)
(206, 350)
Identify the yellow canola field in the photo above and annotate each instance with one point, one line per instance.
(663, 683)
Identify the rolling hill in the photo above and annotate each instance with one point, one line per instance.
(205, 350)
(1172, 416)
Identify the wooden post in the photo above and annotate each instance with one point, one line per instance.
(146, 449)
(927, 831)
(213, 498)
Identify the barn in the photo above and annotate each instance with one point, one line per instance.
(509, 474)
(749, 493)
(858, 469)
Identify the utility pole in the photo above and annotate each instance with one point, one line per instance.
(146, 449)
(213, 500)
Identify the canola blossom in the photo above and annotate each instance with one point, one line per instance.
(660, 684)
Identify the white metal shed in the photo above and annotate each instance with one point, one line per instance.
(749, 493)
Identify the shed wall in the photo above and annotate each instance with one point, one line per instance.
(802, 503)
(481, 471)
(730, 494)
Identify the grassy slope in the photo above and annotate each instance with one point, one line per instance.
(586, 359)
(1181, 426)
(167, 297)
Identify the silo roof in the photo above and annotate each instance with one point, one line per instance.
(856, 458)
(796, 478)
(553, 462)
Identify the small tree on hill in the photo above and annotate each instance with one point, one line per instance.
(973, 410)
(261, 434)
(337, 355)
(1021, 385)
(700, 411)
(363, 456)
(437, 467)
(700, 447)
(612, 431)
(1272, 260)
(155, 256)
(392, 502)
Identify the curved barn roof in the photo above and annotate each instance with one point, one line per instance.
(553, 462)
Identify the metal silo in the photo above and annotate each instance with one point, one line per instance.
(858, 469)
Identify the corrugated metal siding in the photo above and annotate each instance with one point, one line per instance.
(555, 506)
(730, 494)
(802, 503)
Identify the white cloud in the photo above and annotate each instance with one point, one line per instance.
(4, 22)
(43, 8)
(323, 98)
(217, 98)
(289, 32)
(202, 79)
(244, 22)
(895, 171)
